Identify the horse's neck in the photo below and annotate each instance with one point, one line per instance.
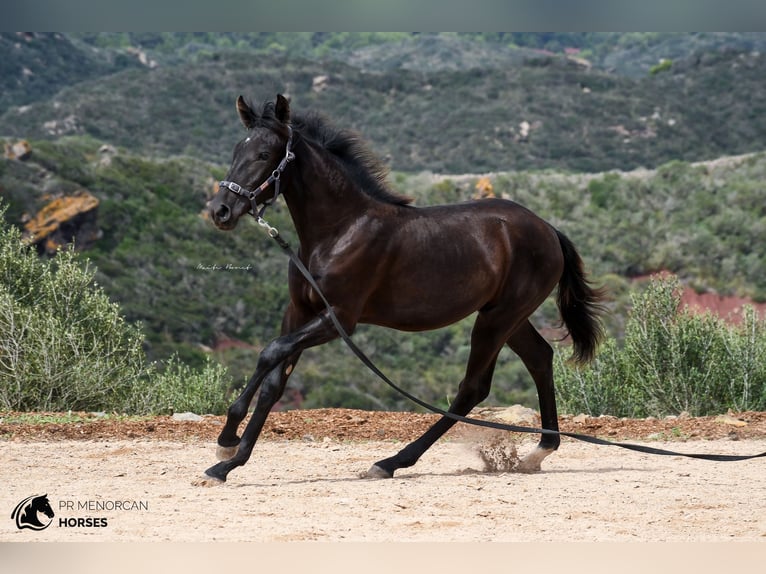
(322, 199)
(30, 514)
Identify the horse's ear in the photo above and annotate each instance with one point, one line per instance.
(282, 109)
(246, 114)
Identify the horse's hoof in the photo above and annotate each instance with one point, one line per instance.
(207, 481)
(528, 467)
(226, 452)
(533, 461)
(376, 472)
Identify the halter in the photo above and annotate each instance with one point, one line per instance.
(274, 178)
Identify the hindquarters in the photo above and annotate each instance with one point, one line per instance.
(579, 304)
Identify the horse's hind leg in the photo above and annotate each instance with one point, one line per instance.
(470, 393)
(486, 343)
(537, 356)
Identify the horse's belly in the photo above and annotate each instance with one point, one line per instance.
(422, 309)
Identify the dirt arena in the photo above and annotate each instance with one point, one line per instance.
(134, 480)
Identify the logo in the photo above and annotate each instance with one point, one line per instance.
(26, 514)
(35, 512)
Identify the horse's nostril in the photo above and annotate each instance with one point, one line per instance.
(223, 213)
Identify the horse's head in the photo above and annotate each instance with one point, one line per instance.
(258, 160)
(41, 504)
(25, 513)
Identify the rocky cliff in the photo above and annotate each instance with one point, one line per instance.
(64, 220)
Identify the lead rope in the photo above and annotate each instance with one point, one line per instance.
(273, 232)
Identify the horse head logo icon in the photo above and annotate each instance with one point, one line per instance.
(26, 513)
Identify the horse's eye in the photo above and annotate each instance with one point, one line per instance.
(264, 155)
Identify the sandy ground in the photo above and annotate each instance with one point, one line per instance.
(300, 490)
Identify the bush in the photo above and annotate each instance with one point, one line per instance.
(180, 388)
(597, 389)
(671, 361)
(65, 346)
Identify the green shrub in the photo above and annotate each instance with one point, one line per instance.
(746, 347)
(597, 389)
(603, 190)
(65, 346)
(180, 388)
(671, 361)
(674, 357)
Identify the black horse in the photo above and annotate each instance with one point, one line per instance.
(382, 261)
(25, 513)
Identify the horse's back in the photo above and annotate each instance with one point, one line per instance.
(480, 211)
(487, 222)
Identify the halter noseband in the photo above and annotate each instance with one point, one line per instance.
(274, 178)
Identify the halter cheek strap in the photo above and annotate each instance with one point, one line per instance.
(274, 178)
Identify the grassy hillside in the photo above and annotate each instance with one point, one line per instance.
(624, 54)
(418, 113)
(35, 66)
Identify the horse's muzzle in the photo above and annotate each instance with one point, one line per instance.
(222, 215)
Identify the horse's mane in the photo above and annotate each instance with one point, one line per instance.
(361, 164)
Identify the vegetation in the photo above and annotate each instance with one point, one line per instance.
(671, 361)
(148, 126)
(205, 287)
(42, 418)
(445, 103)
(65, 346)
(34, 67)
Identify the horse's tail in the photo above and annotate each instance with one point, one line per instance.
(579, 304)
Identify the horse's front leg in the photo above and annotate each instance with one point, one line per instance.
(272, 375)
(228, 440)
